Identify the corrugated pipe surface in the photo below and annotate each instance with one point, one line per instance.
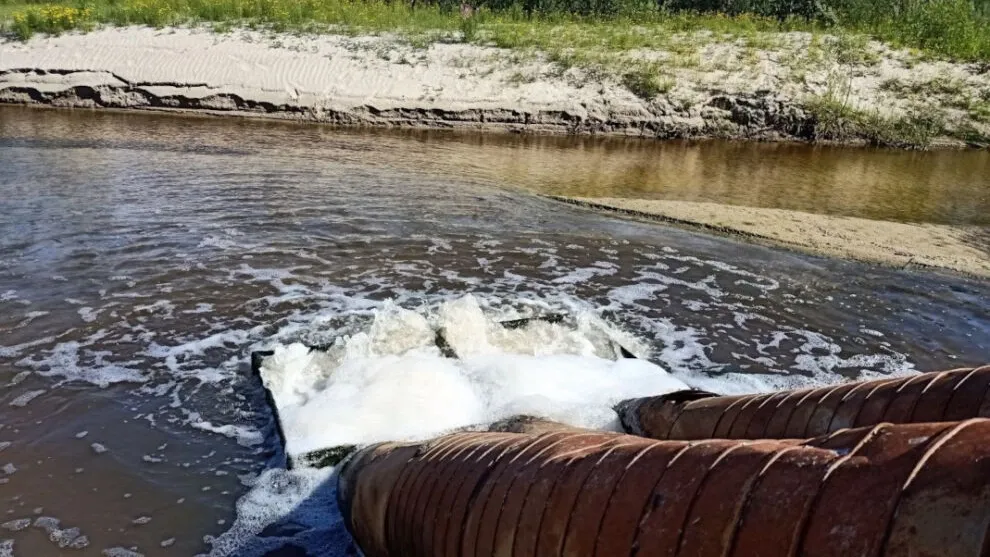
(915, 489)
(930, 397)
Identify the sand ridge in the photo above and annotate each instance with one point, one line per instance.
(962, 249)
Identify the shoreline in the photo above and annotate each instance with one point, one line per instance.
(963, 250)
(381, 81)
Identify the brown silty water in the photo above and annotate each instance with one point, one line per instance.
(143, 257)
(941, 187)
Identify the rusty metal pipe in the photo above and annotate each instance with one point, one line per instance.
(883, 490)
(930, 397)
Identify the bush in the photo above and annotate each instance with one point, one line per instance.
(558, 7)
(946, 26)
(780, 9)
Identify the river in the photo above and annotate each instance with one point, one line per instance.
(144, 256)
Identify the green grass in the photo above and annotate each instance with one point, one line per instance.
(647, 82)
(958, 29)
(7, 11)
(510, 28)
(980, 112)
(841, 123)
(835, 119)
(950, 93)
(280, 15)
(938, 86)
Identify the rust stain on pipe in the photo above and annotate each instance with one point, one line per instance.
(931, 397)
(883, 490)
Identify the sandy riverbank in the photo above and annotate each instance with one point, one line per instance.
(963, 249)
(725, 90)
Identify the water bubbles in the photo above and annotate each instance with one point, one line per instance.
(25, 398)
(121, 552)
(16, 525)
(64, 538)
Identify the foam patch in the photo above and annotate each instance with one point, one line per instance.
(392, 382)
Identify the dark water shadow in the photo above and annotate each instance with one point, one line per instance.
(313, 528)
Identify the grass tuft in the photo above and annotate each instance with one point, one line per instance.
(835, 119)
(647, 82)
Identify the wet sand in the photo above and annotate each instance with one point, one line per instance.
(963, 249)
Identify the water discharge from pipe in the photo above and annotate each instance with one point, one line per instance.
(392, 382)
(531, 486)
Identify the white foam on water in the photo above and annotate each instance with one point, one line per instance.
(15, 350)
(70, 538)
(584, 274)
(19, 378)
(200, 308)
(389, 381)
(63, 360)
(304, 497)
(16, 525)
(6, 548)
(25, 398)
(246, 436)
(121, 552)
(181, 360)
(88, 314)
(393, 383)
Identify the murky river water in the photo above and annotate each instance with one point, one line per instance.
(141, 258)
